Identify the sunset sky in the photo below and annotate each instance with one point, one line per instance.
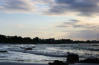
(74, 19)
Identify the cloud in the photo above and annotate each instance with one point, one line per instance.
(84, 35)
(80, 28)
(78, 7)
(24, 6)
(16, 6)
(69, 23)
(79, 25)
(81, 7)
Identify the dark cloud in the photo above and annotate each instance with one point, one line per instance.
(83, 7)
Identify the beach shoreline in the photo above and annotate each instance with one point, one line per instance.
(14, 63)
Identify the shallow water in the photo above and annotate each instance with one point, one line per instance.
(43, 53)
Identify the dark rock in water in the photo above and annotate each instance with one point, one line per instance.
(57, 62)
(72, 58)
(90, 60)
(3, 51)
(28, 48)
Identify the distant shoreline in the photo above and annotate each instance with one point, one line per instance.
(37, 40)
(48, 43)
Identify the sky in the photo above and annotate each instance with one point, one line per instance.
(74, 19)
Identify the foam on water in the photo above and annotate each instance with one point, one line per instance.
(46, 52)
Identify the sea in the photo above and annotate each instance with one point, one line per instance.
(44, 53)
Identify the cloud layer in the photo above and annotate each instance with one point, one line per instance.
(78, 29)
(81, 7)
(16, 5)
(78, 24)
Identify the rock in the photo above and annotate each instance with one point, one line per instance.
(28, 48)
(3, 51)
(90, 60)
(72, 58)
(57, 62)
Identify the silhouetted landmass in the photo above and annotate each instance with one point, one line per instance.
(37, 40)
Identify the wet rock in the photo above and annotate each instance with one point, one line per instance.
(57, 62)
(3, 51)
(28, 48)
(72, 58)
(90, 60)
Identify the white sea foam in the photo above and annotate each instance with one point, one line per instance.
(46, 52)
